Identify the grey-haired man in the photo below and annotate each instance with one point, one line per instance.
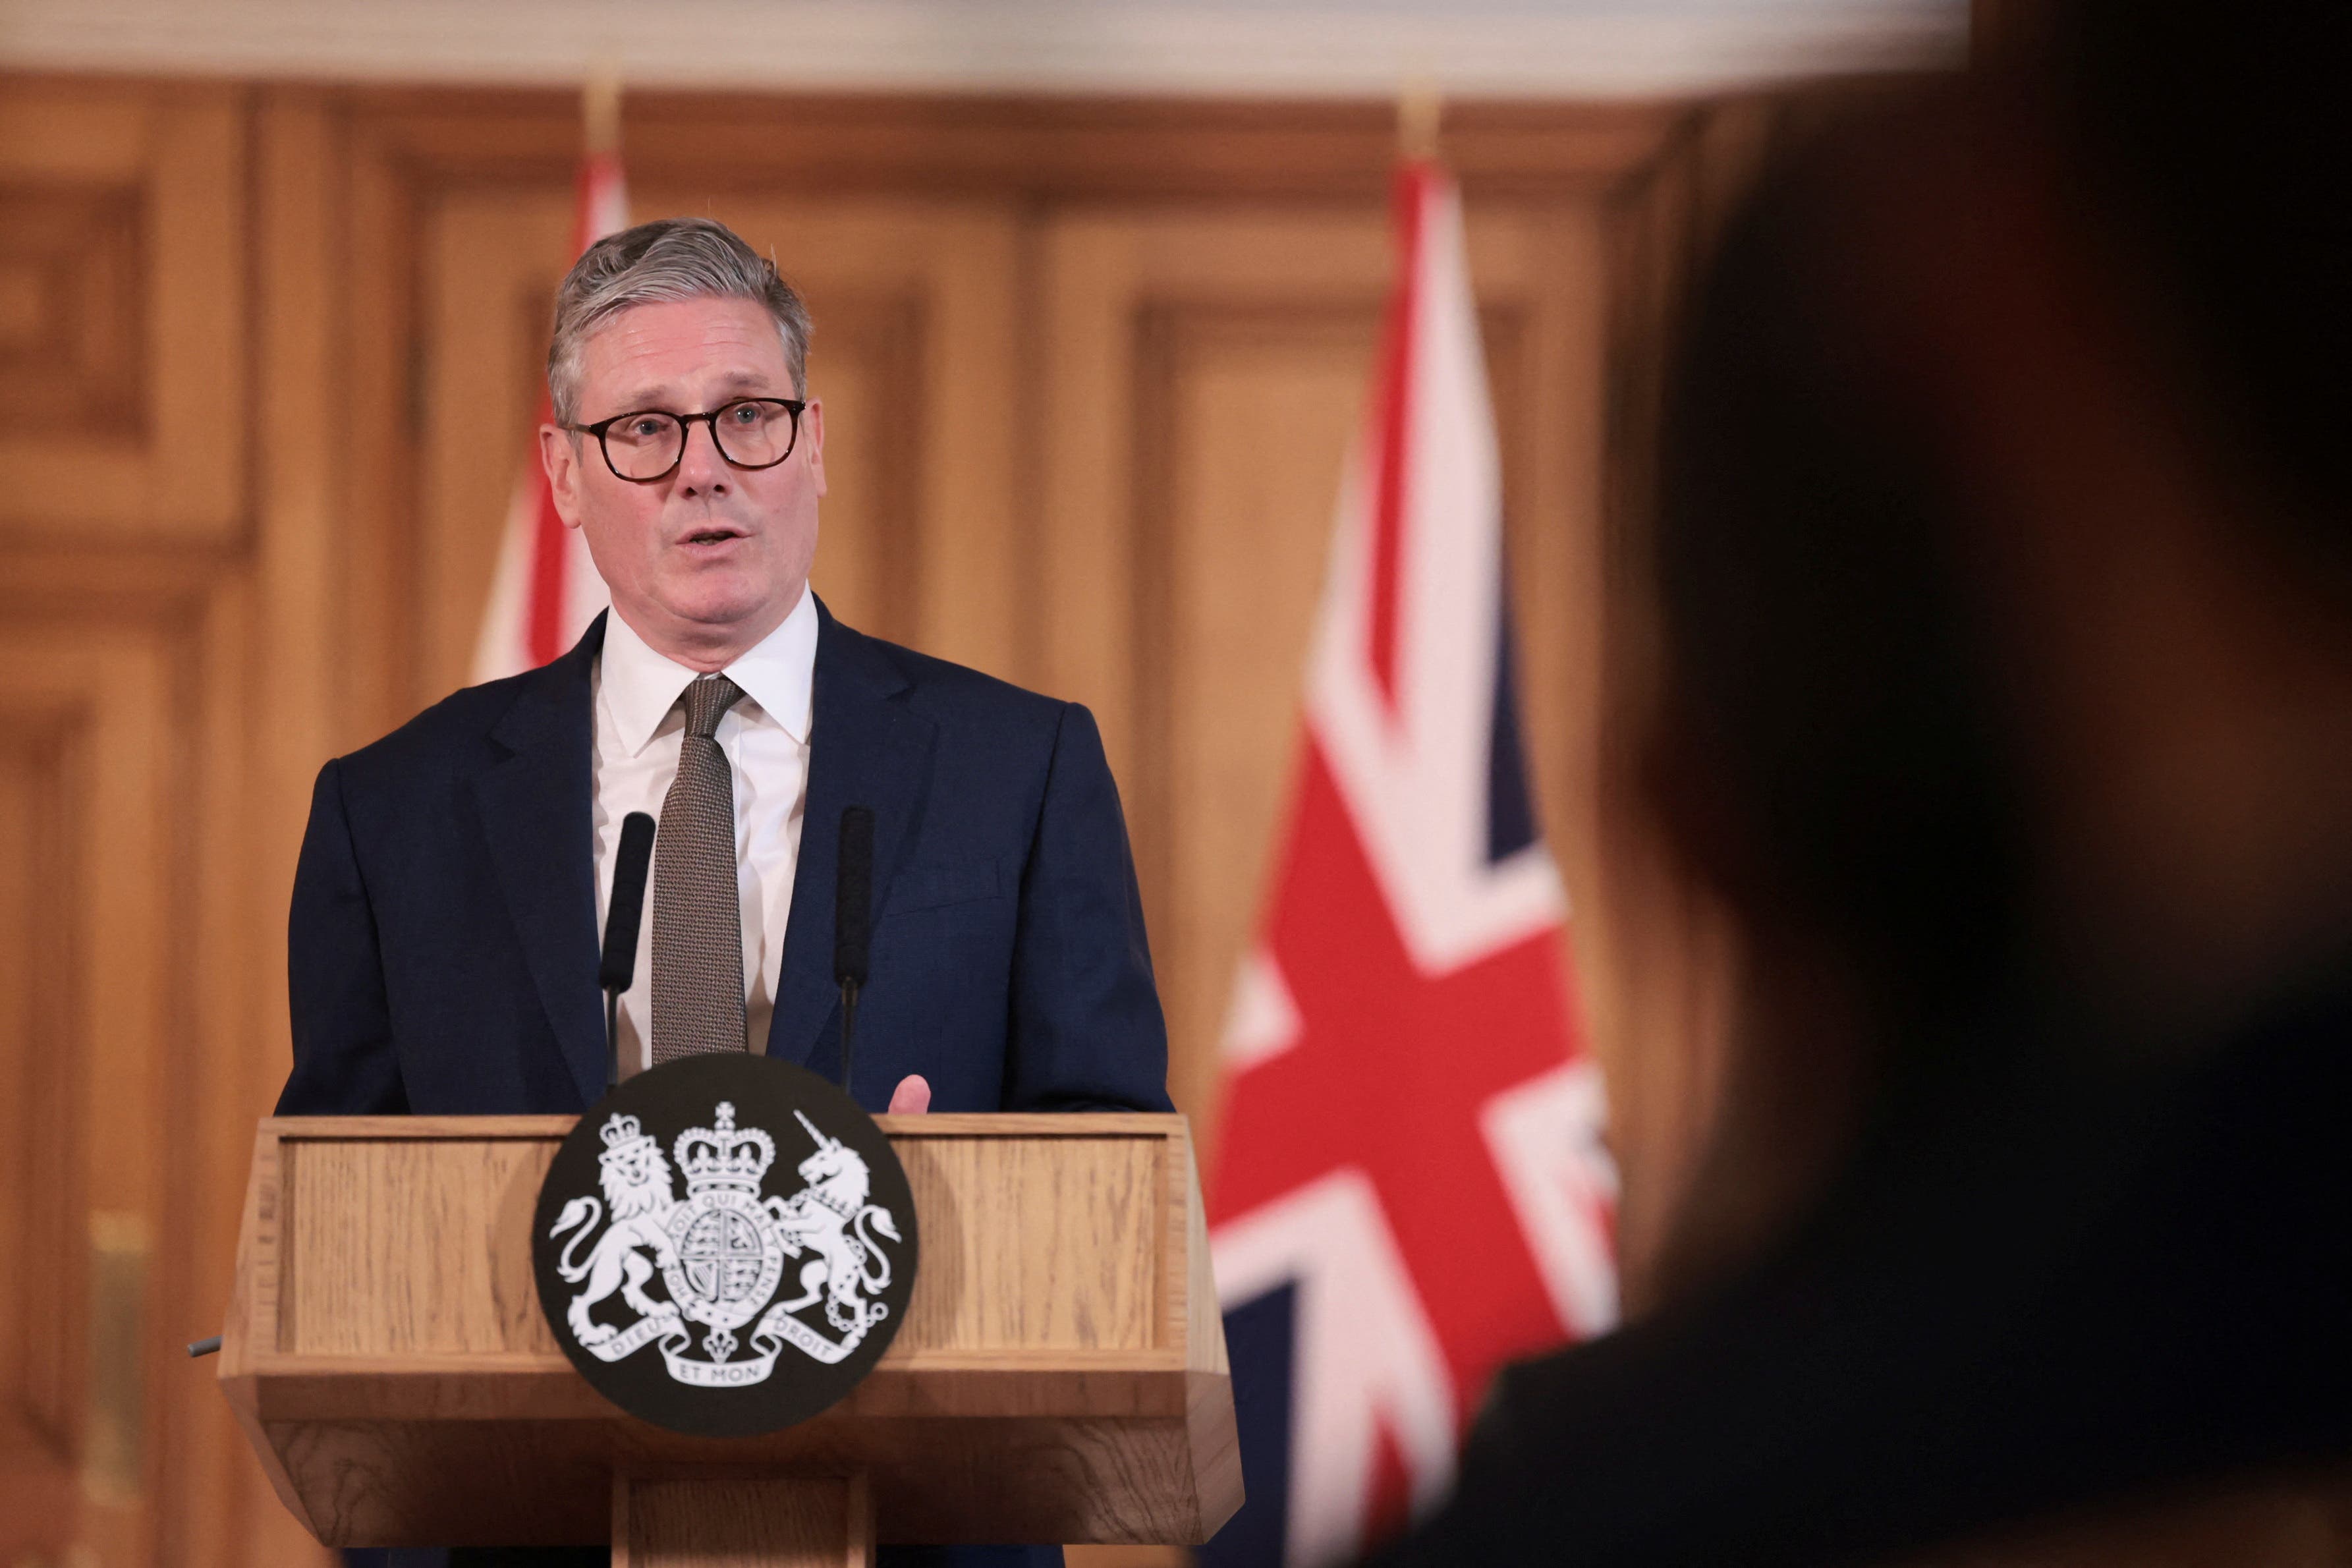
(452, 883)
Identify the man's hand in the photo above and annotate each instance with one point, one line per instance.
(912, 1097)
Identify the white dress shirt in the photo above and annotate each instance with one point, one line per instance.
(639, 718)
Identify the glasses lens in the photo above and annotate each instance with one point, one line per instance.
(642, 445)
(756, 432)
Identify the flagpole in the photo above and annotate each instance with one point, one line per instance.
(599, 107)
(1420, 107)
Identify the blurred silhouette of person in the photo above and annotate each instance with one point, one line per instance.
(2006, 577)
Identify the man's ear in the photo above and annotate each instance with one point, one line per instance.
(812, 432)
(559, 454)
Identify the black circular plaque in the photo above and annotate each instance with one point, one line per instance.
(725, 1245)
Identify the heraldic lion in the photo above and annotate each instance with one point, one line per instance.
(636, 1180)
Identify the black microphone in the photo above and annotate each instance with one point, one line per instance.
(852, 921)
(627, 912)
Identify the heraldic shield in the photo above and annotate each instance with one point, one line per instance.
(725, 1245)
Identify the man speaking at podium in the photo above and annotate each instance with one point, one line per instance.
(444, 930)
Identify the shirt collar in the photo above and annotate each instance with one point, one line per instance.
(639, 687)
(780, 672)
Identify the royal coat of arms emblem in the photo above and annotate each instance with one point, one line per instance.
(723, 1281)
(722, 1249)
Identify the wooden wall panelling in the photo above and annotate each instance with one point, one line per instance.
(371, 247)
(1056, 149)
(40, 1242)
(122, 310)
(100, 667)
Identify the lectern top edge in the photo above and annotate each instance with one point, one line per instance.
(957, 1124)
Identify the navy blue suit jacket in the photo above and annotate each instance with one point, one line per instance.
(443, 942)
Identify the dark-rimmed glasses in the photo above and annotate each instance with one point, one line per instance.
(649, 444)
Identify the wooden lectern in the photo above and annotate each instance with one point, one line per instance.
(1060, 1377)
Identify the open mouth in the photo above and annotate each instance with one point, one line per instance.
(710, 538)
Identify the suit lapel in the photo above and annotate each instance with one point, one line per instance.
(867, 747)
(537, 815)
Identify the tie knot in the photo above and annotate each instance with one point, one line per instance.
(708, 697)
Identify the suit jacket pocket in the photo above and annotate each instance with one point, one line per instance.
(929, 885)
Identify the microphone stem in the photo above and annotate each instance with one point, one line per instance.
(848, 1029)
(611, 1038)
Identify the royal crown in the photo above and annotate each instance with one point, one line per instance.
(621, 1135)
(722, 1156)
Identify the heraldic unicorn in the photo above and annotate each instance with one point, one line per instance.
(721, 1251)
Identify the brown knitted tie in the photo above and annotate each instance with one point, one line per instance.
(697, 917)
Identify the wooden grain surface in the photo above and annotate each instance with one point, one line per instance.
(821, 1521)
(444, 1264)
(1061, 1374)
(1080, 1271)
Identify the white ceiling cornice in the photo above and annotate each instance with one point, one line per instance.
(1505, 48)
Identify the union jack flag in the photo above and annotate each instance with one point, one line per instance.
(1411, 1187)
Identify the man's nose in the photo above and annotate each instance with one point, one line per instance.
(700, 469)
